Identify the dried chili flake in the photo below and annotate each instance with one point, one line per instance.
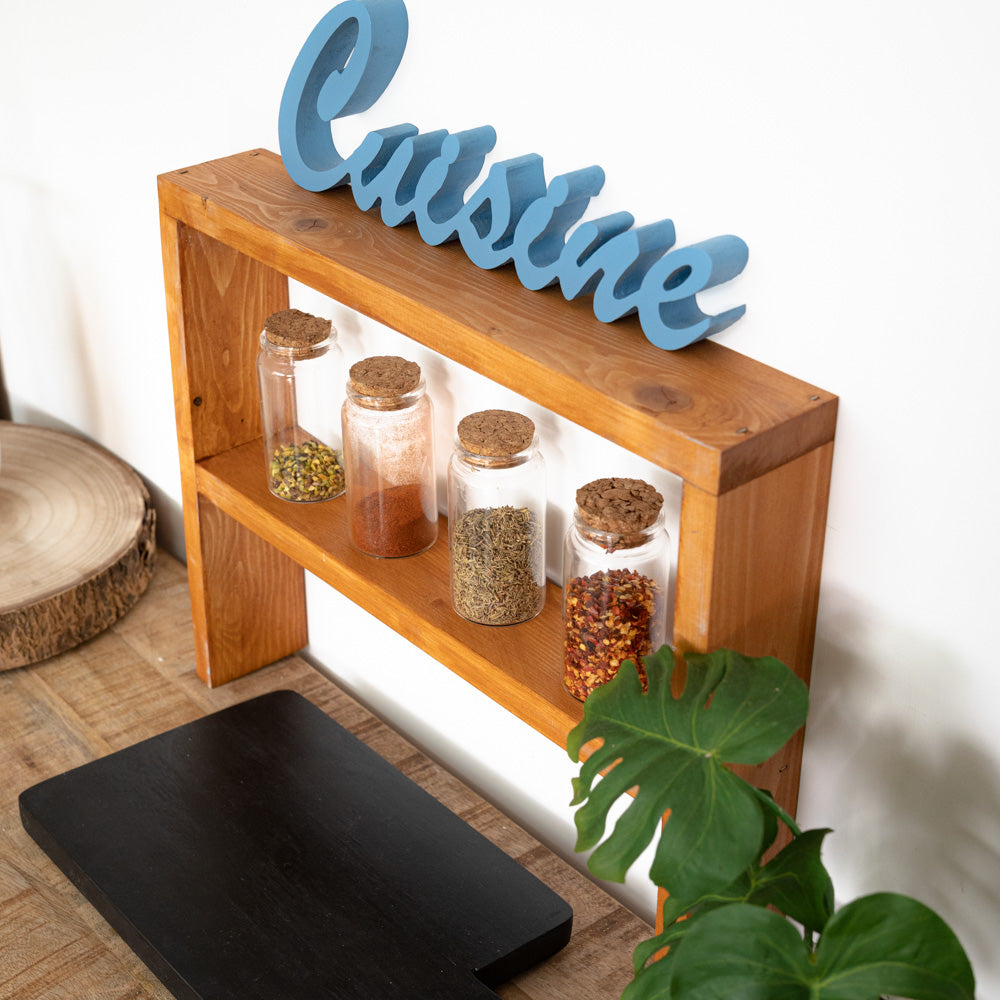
(608, 618)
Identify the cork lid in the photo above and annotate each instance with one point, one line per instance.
(385, 375)
(619, 505)
(495, 433)
(294, 328)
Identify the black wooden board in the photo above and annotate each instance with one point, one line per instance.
(265, 852)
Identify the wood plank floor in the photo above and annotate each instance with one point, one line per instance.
(136, 680)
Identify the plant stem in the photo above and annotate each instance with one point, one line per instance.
(778, 811)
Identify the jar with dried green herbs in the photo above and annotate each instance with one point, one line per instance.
(388, 422)
(496, 519)
(300, 375)
(615, 578)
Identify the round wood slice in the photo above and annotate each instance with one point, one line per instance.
(77, 541)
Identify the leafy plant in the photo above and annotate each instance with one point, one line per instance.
(735, 926)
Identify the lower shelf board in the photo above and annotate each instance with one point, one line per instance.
(518, 666)
(264, 853)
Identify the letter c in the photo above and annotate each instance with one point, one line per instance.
(342, 69)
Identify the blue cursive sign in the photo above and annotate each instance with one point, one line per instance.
(513, 216)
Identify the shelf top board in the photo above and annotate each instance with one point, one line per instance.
(706, 413)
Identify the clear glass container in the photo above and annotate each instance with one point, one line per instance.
(496, 519)
(388, 428)
(616, 564)
(300, 371)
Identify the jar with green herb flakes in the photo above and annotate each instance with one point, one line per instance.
(615, 578)
(300, 375)
(496, 519)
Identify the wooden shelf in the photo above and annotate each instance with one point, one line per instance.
(752, 445)
(512, 665)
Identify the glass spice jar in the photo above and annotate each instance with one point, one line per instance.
(615, 575)
(299, 370)
(388, 425)
(496, 519)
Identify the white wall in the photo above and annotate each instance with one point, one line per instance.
(854, 148)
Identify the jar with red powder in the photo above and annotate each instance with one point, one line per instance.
(615, 578)
(388, 429)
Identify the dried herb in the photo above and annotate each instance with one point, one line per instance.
(607, 618)
(307, 471)
(496, 565)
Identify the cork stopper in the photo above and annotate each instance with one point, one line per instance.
(495, 433)
(619, 505)
(294, 328)
(385, 375)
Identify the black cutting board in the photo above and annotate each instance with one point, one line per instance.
(265, 852)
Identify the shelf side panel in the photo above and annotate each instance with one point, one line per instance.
(247, 598)
(254, 599)
(226, 299)
(748, 578)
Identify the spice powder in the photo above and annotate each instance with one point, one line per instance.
(392, 522)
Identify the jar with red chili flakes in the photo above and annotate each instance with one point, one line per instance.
(615, 577)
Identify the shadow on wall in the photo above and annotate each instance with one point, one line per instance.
(4, 401)
(41, 324)
(914, 808)
(939, 808)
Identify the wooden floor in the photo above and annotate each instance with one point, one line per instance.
(137, 680)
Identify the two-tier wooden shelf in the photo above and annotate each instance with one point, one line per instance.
(752, 445)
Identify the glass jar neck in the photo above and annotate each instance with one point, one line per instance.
(612, 541)
(399, 402)
(297, 353)
(478, 461)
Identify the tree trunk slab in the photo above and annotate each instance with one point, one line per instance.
(77, 542)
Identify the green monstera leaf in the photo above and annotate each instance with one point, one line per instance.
(885, 944)
(795, 882)
(672, 751)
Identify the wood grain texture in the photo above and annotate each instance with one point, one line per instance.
(247, 599)
(748, 578)
(77, 541)
(707, 413)
(134, 681)
(224, 299)
(254, 599)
